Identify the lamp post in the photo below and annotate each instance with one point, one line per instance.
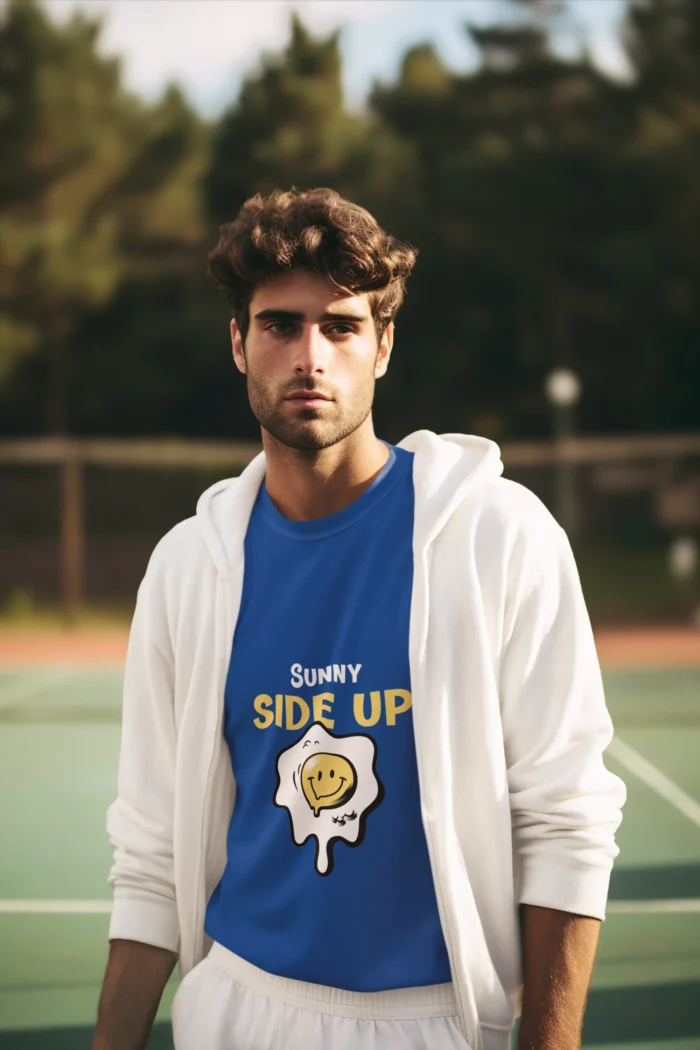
(563, 389)
(683, 564)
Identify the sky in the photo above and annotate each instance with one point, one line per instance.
(209, 46)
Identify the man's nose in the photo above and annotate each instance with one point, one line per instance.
(311, 351)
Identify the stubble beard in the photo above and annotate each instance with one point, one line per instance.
(307, 429)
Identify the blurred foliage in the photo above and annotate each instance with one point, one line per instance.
(97, 191)
(556, 210)
(290, 127)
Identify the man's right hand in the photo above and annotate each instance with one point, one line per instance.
(134, 981)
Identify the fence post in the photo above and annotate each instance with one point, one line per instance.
(72, 534)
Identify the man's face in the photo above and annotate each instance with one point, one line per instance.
(311, 359)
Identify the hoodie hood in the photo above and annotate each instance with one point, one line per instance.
(446, 469)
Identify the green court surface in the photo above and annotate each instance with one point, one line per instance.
(59, 739)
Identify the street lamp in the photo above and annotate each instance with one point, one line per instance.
(563, 389)
(683, 564)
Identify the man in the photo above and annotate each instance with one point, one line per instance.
(361, 763)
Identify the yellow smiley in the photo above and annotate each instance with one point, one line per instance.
(327, 781)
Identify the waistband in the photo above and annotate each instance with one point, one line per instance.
(430, 1000)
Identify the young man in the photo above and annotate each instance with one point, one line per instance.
(383, 657)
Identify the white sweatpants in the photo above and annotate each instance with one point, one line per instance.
(225, 1003)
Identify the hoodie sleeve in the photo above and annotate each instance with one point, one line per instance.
(565, 804)
(140, 821)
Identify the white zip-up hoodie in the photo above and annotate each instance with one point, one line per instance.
(509, 718)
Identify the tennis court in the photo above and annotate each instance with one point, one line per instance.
(59, 738)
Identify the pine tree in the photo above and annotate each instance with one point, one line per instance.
(290, 127)
(95, 186)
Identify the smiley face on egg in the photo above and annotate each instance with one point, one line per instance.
(329, 786)
(327, 781)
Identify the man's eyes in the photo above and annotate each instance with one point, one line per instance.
(288, 327)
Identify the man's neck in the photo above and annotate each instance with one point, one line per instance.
(306, 484)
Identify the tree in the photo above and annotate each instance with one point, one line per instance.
(290, 127)
(96, 187)
(533, 229)
(663, 43)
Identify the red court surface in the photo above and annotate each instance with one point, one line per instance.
(617, 646)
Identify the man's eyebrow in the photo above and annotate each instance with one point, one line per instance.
(272, 314)
(330, 315)
(279, 315)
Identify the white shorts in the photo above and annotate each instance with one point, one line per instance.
(225, 1003)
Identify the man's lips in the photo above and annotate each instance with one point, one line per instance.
(308, 395)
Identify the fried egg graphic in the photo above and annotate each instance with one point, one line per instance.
(329, 786)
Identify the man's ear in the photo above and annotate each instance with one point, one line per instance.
(237, 347)
(384, 352)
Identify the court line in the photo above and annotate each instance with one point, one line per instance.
(645, 771)
(676, 906)
(55, 907)
(31, 684)
(73, 907)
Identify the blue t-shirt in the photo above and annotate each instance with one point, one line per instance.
(328, 878)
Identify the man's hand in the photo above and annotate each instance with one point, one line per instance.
(133, 985)
(558, 953)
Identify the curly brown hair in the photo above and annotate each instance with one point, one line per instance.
(315, 230)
